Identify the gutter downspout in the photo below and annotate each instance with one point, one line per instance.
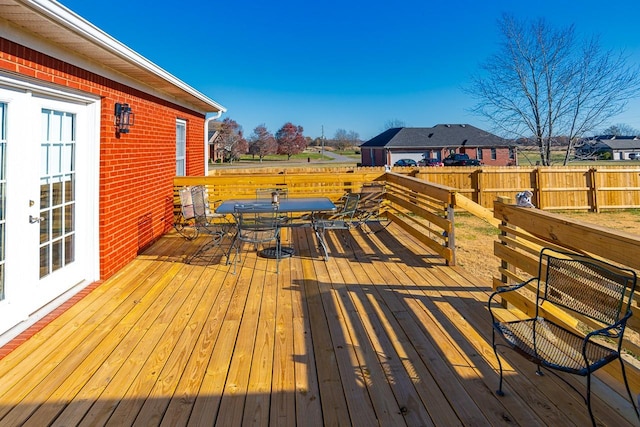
(206, 140)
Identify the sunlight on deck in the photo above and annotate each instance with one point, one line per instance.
(383, 333)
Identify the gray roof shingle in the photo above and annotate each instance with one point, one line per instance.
(440, 135)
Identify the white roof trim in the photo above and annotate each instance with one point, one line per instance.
(58, 17)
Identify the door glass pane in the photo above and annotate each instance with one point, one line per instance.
(3, 192)
(57, 196)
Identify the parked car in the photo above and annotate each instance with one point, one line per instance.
(430, 162)
(460, 159)
(406, 162)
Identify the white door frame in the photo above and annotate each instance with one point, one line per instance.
(32, 96)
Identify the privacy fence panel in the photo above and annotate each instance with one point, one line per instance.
(554, 188)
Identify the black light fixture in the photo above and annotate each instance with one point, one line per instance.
(123, 117)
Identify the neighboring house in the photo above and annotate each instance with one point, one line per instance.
(79, 199)
(437, 142)
(216, 149)
(617, 147)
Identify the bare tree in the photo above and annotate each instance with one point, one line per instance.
(340, 139)
(394, 123)
(233, 142)
(544, 83)
(262, 142)
(621, 129)
(343, 140)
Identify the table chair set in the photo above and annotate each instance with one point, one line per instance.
(259, 221)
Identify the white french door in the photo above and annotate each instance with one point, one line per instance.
(48, 182)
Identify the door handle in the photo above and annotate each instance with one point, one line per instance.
(34, 219)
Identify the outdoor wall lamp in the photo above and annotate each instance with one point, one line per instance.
(123, 117)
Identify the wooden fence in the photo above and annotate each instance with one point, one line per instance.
(332, 184)
(554, 188)
(525, 231)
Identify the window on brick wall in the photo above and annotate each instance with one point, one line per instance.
(479, 153)
(494, 154)
(181, 148)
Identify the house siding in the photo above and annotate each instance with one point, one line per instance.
(502, 156)
(435, 142)
(136, 169)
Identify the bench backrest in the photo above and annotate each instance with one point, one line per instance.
(593, 288)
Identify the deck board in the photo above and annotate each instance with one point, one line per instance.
(384, 333)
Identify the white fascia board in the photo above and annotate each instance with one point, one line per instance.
(68, 19)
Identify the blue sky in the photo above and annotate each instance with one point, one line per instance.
(353, 65)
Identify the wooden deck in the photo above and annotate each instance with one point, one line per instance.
(382, 334)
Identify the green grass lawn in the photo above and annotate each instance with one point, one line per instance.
(283, 157)
(529, 158)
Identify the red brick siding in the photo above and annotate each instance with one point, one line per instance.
(502, 156)
(136, 169)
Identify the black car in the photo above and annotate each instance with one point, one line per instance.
(460, 159)
(406, 162)
(430, 162)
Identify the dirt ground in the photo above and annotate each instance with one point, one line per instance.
(475, 237)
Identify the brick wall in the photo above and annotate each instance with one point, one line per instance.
(136, 169)
(501, 156)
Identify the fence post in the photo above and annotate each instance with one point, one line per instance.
(451, 238)
(503, 264)
(537, 187)
(593, 188)
(479, 187)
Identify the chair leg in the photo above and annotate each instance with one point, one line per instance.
(231, 247)
(588, 399)
(626, 384)
(278, 249)
(499, 392)
(237, 258)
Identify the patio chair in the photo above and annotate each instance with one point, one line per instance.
(598, 291)
(196, 209)
(257, 226)
(341, 220)
(183, 221)
(370, 207)
(267, 195)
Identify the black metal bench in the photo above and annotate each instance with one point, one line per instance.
(596, 290)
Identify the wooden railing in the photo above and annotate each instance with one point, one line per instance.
(422, 209)
(525, 231)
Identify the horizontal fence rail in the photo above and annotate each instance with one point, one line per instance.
(554, 188)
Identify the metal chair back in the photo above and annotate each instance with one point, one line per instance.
(257, 225)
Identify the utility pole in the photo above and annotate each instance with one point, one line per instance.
(322, 142)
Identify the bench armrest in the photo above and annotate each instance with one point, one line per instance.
(510, 288)
(505, 289)
(606, 331)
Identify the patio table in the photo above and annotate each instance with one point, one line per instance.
(288, 205)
